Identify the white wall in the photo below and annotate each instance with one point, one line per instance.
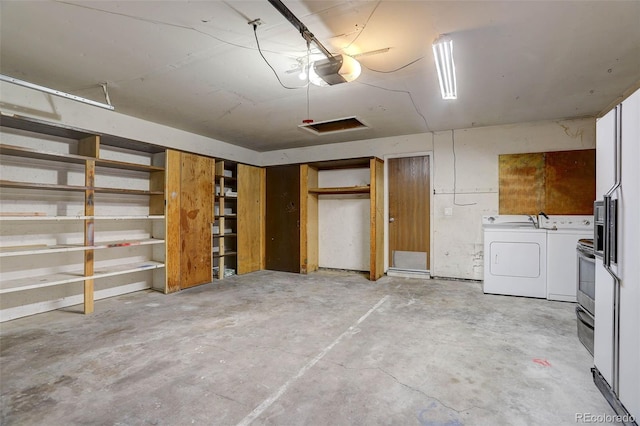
(343, 222)
(35, 104)
(457, 239)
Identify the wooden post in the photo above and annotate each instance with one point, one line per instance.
(89, 146)
(309, 242)
(221, 260)
(89, 232)
(172, 221)
(376, 260)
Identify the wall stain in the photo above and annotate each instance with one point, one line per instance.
(578, 133)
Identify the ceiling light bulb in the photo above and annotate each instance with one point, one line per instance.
(350, 69)
(443, 54)
(302, 76)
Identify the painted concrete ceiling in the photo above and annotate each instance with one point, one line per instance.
(195, 65)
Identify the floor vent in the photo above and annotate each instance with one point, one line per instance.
(346, 124)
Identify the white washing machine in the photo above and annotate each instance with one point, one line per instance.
(515, 257)
(563, 233)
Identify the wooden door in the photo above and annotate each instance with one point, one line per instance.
(282, 233)
(409, 211)
(251, 218)
(196, 177)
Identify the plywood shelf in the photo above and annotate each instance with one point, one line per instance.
(40, 249)
(8, 217)
(54, 279)
(126, 191)
(350, 163)
(227, 254)
(145, 217)
(127, 243)
(75, 188)
(46, 186)
(18, 151)
(36, 282)
(64, 248)
(231, 235)
(341, 190)
(17, 218)
(15, 121)
(227, 178)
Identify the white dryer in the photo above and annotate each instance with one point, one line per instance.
(563, 233)
(515, 257)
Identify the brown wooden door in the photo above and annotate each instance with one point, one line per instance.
(409, 210)
(251, 218)
(196, 177)
(282, 233)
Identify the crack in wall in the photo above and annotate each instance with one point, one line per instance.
(578, 133)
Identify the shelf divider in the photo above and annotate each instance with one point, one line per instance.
(89, 232)
(341, 190)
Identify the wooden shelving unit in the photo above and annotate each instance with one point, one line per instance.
(58, 227)
(225, 215)
(239, 211)
(309, 193)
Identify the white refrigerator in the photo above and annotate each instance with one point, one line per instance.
(617, 297)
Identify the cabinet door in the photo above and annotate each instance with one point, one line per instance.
(195, 219)
(251, 215)
(282, 232)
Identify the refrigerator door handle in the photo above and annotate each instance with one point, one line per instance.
(610, 224)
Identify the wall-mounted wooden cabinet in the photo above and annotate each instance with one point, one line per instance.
(81, 217)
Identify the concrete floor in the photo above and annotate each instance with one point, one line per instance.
(286, 349)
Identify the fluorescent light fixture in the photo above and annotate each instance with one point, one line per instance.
(57, 92)
(443, 53)
(335, 70)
